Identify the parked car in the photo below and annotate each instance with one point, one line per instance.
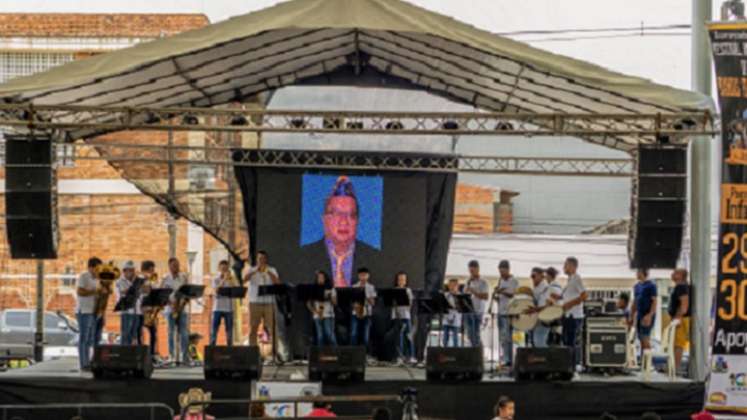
(17, 327)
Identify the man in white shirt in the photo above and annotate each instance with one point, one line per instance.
(128, 317)
(541, 294)
(223, 307)
(556, 293)
(479, 291)
(505, 290)
(360, 324)
(85, 312)
(178, 322)
(261, 308)
(574, 296)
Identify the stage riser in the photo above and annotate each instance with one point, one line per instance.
(535, 400)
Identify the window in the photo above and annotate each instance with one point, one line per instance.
(51, 322)
(16, 64)
(18, 319)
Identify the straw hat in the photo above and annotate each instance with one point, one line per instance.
(194, 395)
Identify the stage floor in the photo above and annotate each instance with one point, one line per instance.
(586, 397)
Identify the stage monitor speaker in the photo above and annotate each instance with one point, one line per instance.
(233, 362)
(31, 196)
(454, 364)
(122, 361)
(548, 363)
(658, 208)
(340, 364)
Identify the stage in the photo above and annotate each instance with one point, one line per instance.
(586, 397)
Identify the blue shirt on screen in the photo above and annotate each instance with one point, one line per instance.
(644, 293)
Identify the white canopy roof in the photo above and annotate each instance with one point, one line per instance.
(284, 44)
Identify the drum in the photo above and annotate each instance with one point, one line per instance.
(517, 307)
(551, 313)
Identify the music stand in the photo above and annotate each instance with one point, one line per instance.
(310, 292)
(347, 296)
(394, 296)
(237, 292)
(157, 298)
(188, 292)
(463, 305)
(274, 290)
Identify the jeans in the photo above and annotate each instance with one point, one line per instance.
(139, 330)
(98, 330)
(472, 323)
(360, 330)
(404, 326)
(451, 332)
(87, 327)
(153, 334)
(128, 329)
(324, 330)
(540, 335)
(572, 335)
(506, 338)
(228, 317)
(181, 327)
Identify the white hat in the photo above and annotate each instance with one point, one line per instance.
(128, 264)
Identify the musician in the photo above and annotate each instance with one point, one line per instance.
(505, 290)
(360, 324)
(555, 337)
(85, 312)
(574, 296)
(452, 322)
(542, 299)
(148, 272)
(127, 287)
(479, 290)
(176, 311)
(679, 310)
(261, 308)
(643, 312)
(402, 316)
(323, 311)
(223, 307)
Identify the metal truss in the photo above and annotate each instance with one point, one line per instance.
(226, 156)
(87, 121)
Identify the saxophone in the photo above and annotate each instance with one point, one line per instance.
(150, 315)
(106, 274)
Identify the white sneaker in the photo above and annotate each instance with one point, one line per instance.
(413, 361)
(400, 362)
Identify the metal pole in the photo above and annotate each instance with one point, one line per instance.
(700, 201)
(171, 196)
(39, 330)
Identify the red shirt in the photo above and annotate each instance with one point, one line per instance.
(321, 412)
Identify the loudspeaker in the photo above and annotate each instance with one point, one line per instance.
(658, 208)
(543, 363)
(454, 364)
(342, 363)
(233, 362)
(31, 196)
(122, 361)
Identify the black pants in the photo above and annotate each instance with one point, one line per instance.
(152, 333)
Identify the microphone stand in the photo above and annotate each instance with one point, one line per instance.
(492, 337)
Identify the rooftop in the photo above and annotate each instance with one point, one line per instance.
(98, 25)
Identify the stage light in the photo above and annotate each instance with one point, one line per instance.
(394, 125)
(662, 139)
(190, 119)
(504, 126)
(239, 120)
(450, 125)
(355, 125)
(685, 124)
(152, 118)
(298, 123)
(332, 123)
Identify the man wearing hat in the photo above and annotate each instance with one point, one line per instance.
(479, 291)
(127, 286)
(505, 290)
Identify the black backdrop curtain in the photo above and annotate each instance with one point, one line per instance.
(440, 191)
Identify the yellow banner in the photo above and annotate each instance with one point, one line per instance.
(734, 204)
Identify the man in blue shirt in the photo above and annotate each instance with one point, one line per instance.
(643, 312)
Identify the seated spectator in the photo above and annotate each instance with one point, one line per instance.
(322, 409)
(504, 408)
(703, 415)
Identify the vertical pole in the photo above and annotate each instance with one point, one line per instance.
(39, 330)
(171, 195)
(700, 201)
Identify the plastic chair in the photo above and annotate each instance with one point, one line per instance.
(667, 342)
(647, 364)
(632, 359)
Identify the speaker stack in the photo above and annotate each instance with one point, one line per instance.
(658, 208)
(31, 196)
(112, 361)
(233, 362)
(454, 364)
(337, 364)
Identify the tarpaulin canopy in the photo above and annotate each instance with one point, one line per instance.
(282, 45)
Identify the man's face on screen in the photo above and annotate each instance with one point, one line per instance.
(341, 220)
